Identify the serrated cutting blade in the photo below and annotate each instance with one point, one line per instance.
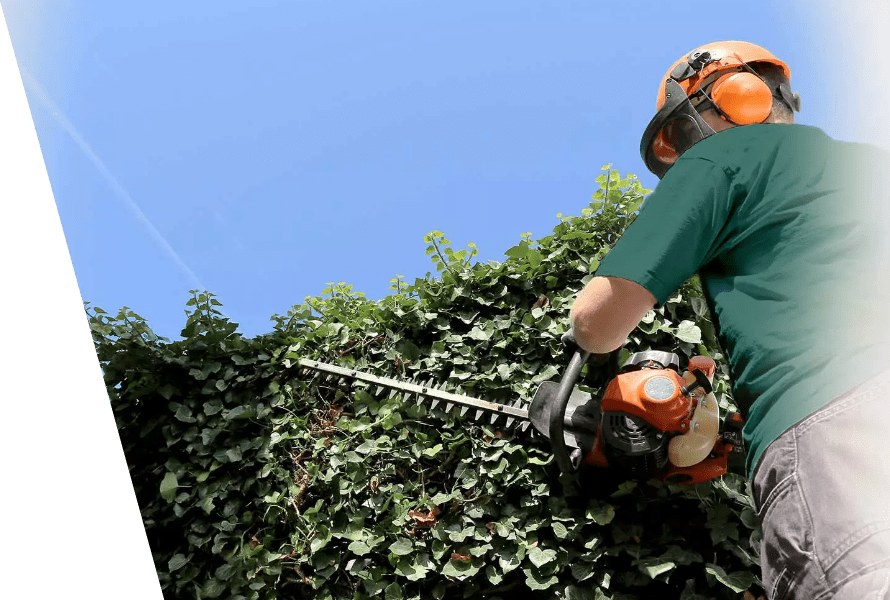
(425, 391)
(428, 384)
(510, 420)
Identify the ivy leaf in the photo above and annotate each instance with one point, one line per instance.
(520, 251)
(494, 577)
(536, 581)
(468, 317)
(408, 350)
(549, 372)
(207, 504)
(321, 539)
(584, 592)
(738, 581)
(177, 562)
(401, 547)
(241, 412)
(184, 414)
(600, 512)
(212, 407)
(459, 569)
(689, 332)
(653, 567)
(749, 518)
(359, 548)
(393, 592)
(367, 447)
(438, 592)
(720, 524)
(226, 571)
(689, 593)
(541, 557)
(169, 485)
(213, 588)
(581, 571)
(681, 556)
(433, 451)
(416, 567)
(699, 306)
(509, 560)
(477, 333)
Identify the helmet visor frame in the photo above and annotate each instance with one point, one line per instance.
(677, 108)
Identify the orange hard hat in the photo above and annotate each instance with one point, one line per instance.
(719, 74)
(726, 56)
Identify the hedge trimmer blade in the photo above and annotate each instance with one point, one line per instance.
(500, 414)
(648, 422)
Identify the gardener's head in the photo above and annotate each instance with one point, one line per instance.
(716, 87)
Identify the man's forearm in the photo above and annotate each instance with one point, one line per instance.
(593, 343)
(606, 311)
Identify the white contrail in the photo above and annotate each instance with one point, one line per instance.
(118, 189)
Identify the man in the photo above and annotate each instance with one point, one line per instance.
(787, 230)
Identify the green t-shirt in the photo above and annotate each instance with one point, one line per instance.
(787, 229)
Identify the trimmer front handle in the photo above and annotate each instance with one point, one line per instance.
(568, 463)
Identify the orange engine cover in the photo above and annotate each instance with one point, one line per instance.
(653, 395)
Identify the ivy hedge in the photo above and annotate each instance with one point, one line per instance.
(256, 480)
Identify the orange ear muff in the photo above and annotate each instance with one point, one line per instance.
(663, 150)
(743, 97)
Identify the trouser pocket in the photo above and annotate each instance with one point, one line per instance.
(786, 549)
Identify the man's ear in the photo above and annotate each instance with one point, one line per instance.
(776, 117)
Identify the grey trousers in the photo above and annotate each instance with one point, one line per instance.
(822, 492)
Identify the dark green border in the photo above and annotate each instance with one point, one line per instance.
(71, 525)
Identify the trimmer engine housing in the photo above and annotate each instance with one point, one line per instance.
(650, 422)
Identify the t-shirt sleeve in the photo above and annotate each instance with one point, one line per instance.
(680, 228)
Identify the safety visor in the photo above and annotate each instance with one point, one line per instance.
(675, 128)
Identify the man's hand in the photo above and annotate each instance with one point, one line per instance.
(568, 341)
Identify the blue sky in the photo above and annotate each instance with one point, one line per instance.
(260, 150)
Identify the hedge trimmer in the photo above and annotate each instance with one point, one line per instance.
(651, 420)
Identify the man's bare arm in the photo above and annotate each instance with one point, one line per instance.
(606, 311)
